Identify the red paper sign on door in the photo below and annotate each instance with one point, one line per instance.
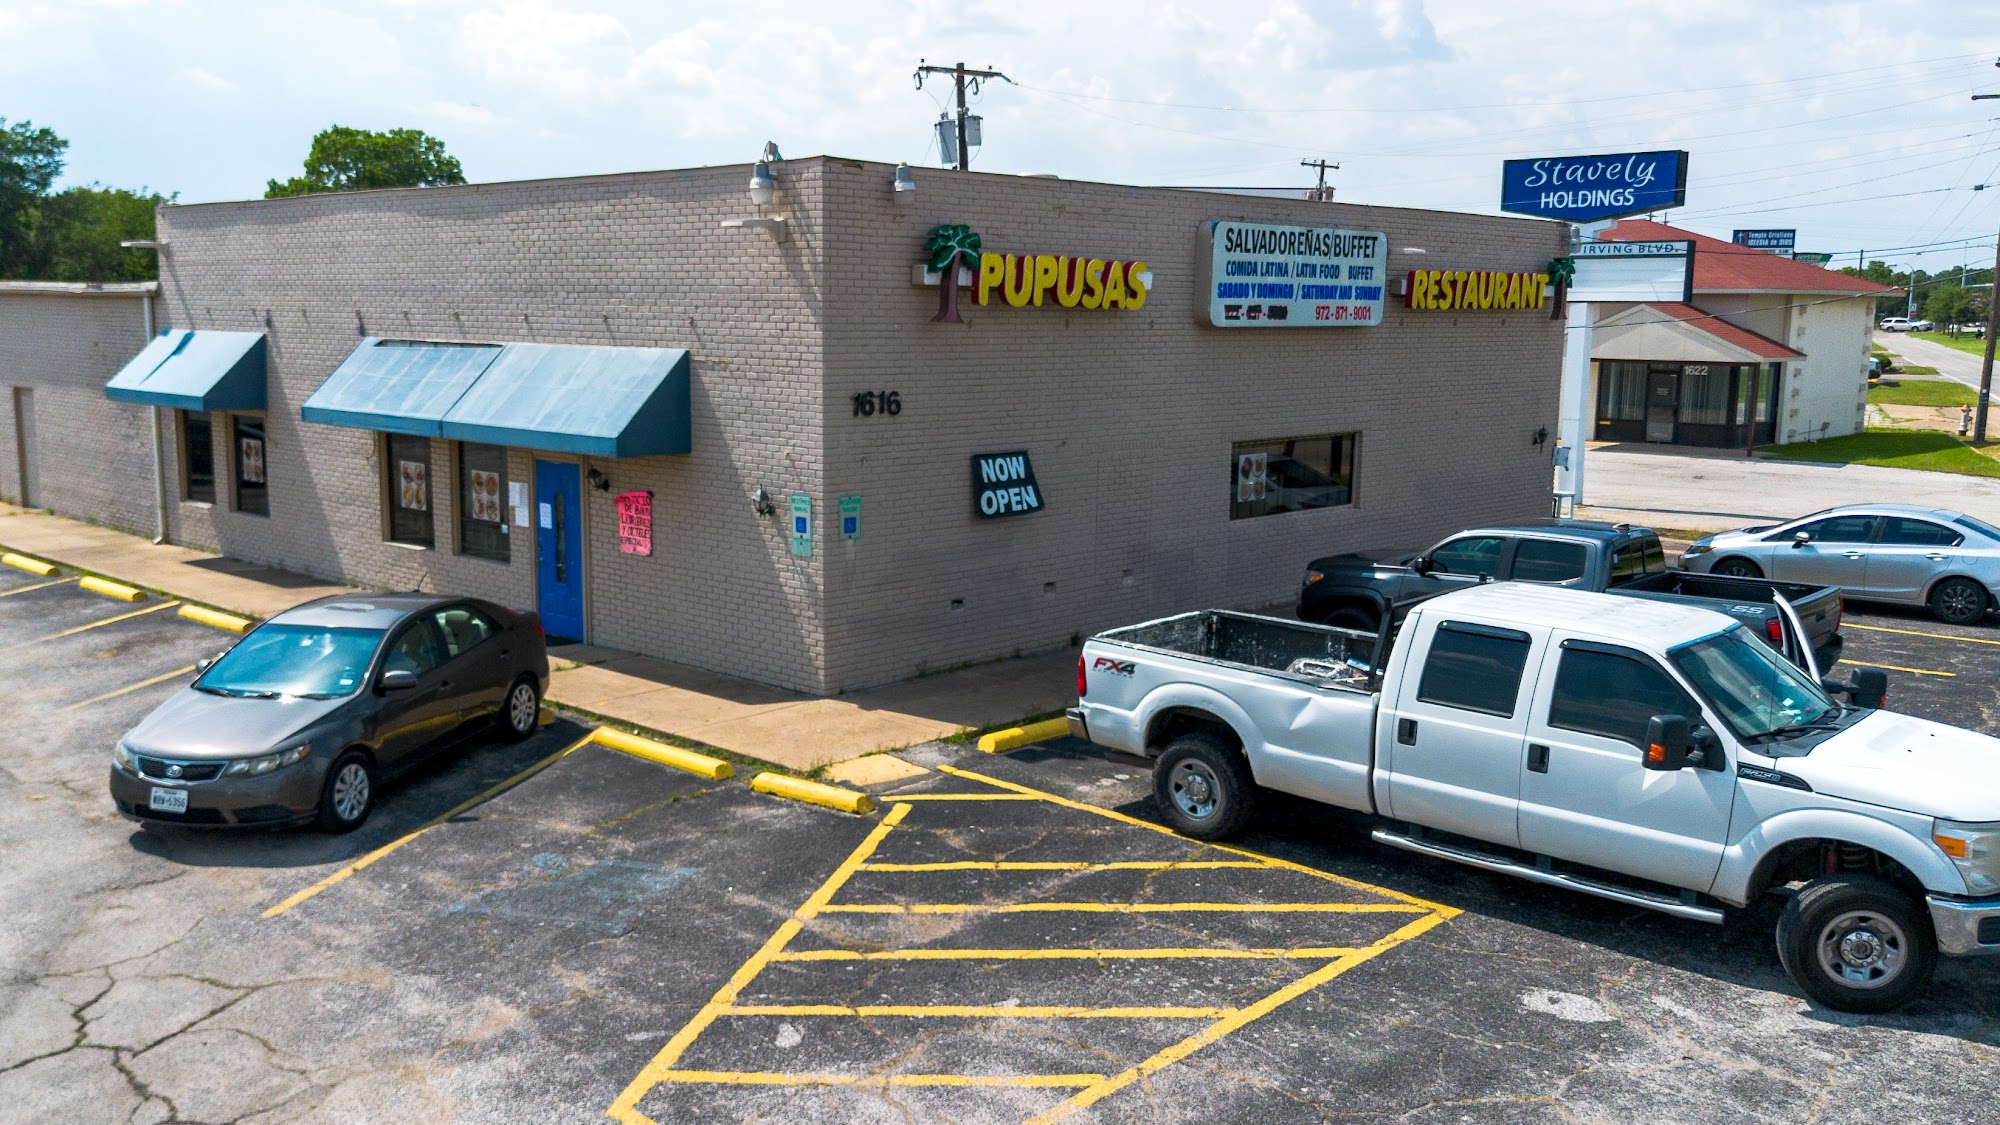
(635, 523)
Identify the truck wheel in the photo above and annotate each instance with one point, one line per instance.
(1204, 790)
(1959, 601)
(1736, 568)
(1857, 943)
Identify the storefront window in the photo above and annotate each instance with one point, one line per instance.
(1704, 394)
(407, 475)
(482, 484)
(197, 457)
(1621, 392)
(1291, 475)
(251, 493)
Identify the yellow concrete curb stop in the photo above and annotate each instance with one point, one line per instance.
(812, 792)
(32, 566)
(1013, 738)
(228, 622)
(714, 769)
(111, 589)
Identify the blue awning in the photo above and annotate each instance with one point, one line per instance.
(401, 386)
(195, 370)
(599, 401)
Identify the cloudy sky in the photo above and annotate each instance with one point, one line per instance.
(1849, 121)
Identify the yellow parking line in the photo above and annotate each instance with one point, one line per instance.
(1122, 908)
(112, 620)
(625, 1109)
(1235, 1021)
(34, 586)
(983, 1011)
(1898, 668)
(774, 1078)
(1304, 953)
(965, 797)
(1915, 633)
(342, 874)
(1121, 865)
(159, 679)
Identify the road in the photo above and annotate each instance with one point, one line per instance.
(1950, 362)
(1010, 938)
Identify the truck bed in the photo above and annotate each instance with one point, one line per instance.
(1312, 653)
(1750, 600)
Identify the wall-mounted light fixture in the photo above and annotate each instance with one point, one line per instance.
(760, 502)
(597, 479)
(763, 189)
(905, 184)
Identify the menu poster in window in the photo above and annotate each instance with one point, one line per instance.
(485, 496)
(416, 493)
(1252, 473)
(635, 523)
(251, 457)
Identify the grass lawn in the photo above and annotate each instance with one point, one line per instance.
(1896, 449)
(1971, 344)
(1924, 392)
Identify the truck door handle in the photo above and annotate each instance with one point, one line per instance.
(1406, 732)
(1538, 758)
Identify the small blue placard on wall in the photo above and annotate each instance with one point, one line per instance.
(1586, 189)
(850, 516)
(802, 525)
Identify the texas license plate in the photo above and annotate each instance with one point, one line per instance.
(169, 800)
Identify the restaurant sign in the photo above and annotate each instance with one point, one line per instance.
(1003, 484)
(1264, 276)
(1068, 280)
(1470, 290)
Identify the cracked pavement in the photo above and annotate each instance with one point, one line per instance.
(525, 961)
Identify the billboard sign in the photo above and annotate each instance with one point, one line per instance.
(1587, 189)
(1811, 258)
(1776, 241)
(1633, 271)
(1263, 276)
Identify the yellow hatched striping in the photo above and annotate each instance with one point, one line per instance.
(773, 1078)
(985, 1011)
(1313, 953)
(1057, 865)
(1123, 908)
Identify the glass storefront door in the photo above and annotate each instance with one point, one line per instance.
(1662, 396)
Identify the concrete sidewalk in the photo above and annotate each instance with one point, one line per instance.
(799, 732)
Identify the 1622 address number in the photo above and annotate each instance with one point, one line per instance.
(869, 403)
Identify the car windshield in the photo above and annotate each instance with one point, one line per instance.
(304, 660)
(1980, 526)
(1756, 691)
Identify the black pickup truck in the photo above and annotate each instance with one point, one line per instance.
(1357, 591)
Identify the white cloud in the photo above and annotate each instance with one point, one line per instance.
(201, 79)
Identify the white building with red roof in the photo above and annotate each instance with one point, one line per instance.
(1764, 334)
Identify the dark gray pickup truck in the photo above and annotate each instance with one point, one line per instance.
(1357, 591)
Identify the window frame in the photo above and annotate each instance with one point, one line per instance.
(1499, 557)
(392, 499)
(186, 446)
(436, 618)
(466, 543)
(1693, 714)
(239, 488)
(1343, 452)
(1487, 632)
(1882, 536)
(1524, 542)
(423, 622)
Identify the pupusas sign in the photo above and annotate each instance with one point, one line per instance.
(1586, 189)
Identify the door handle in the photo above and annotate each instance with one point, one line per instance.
(1538, 758)
(1853, 554)
(1406, 732)
(1935, 557)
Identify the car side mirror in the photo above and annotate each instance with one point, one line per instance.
(1420, 565)
(204, 664)
(398, 679)
(1667, 742)
(1868, 687)
(1801, 538)
(1705, 748)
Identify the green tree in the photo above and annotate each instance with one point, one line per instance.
(30, 161)
(947, 246)
(344, 159)
(1947, 304)
(80, 230)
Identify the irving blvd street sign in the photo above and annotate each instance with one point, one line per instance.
(1003, 484)
(1587, 189)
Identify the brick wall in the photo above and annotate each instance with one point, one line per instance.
(1129, 417)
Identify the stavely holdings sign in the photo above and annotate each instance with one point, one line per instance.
(1263, 276)
(1586, 189)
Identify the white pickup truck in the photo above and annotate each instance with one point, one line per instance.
(1655, 754)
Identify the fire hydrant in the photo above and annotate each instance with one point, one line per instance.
(1964, 420)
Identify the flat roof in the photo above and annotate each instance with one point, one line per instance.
(82, 288)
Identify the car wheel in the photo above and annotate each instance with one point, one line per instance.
(521, 712)
(348, 794)
(1204, 789)
(1857, 943)
(1736, 568)
(1354, 617)
(1959, 601)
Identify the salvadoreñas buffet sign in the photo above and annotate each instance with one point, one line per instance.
(1264, 276)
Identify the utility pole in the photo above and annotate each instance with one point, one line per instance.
(1322, 193)
(1992, 322)
(961, 77)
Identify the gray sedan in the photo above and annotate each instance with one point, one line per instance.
(301, 719)
(1898, 553)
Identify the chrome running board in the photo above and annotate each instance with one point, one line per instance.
(1651, 901)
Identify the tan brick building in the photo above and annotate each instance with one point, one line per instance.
(1177, 463)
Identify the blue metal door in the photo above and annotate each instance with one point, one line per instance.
(559, 549)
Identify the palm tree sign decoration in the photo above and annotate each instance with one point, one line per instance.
(948, 244)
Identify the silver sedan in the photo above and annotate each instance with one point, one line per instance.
(1899, 553)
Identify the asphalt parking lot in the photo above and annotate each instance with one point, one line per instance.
(1008, 938)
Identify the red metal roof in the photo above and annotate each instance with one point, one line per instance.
(1721, 329)
(1724, 267)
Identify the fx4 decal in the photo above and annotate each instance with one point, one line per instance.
(1115, 667)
